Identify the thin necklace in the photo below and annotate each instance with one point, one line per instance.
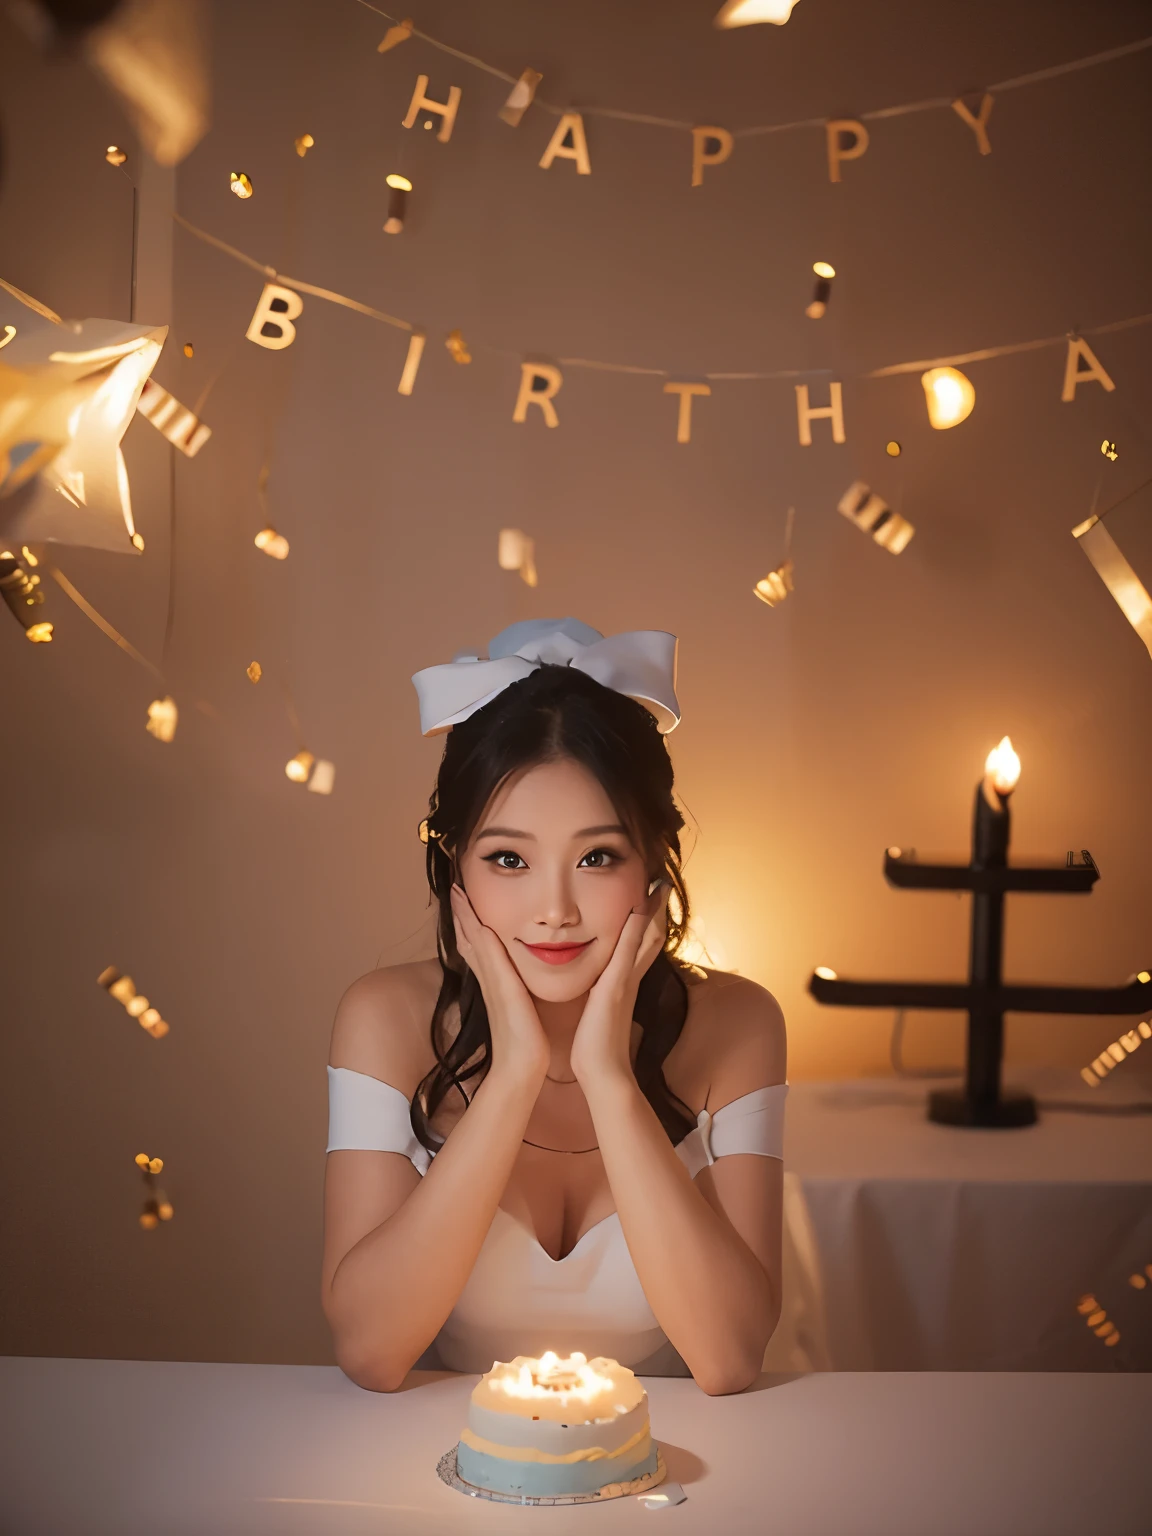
(570, 1151)
(565, 1080)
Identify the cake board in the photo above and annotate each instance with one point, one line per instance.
(446, 1471)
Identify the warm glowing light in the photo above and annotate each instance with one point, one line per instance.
(303, 144)
(323, 777)
(299, 767)
(1108, 449)
(399, 183)
(148, 1220)
(240, 184)
(189, 349)
(950, 394)
(255, 671)
(1137, 1282)
(8, 331)
(137, 542)
(458, 347)
(747, 13)
(1143, 976)
(1002, 766)
(824, 269)
(272, 543)
(115, 155)
(39, 634)
(28, 555)
(551, 1377)
(163, 717)
(148, 1164)
(137, 1005)
(164, 1210)
(893, 449)
(825, 973)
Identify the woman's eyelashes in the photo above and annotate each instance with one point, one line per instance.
(595, 858)
(505, 858)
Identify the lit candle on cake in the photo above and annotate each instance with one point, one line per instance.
(992, 822)
(558, 1429)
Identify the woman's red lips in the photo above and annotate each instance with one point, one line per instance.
(557, 954)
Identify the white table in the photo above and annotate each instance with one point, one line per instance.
(145, 1448)
(948, 1249)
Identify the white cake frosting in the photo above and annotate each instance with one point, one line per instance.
(549, 1427)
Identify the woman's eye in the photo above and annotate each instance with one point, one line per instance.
(504, 858)
(599, 858)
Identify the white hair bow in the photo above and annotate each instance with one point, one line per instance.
(640, 663)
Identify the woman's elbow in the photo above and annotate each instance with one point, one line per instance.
(722, 1381)
(371, 1373)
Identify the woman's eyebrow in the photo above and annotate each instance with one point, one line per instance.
(504, 832)
(600, 831)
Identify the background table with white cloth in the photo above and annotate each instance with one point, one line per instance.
(939, 1248)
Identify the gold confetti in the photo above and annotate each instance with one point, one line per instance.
(1108, 449)
(893, 449)
(950, 397)
(299, 767)
(115, 155)
(149, 1164)
(138, 542)
(775, 587)
(861, 505)
(149, 1217)
(395, 36)
(162, 718)
(123, 989)
(272, 543)
(182, 427)
(164, 1210)
(189, 350)
(458, 347)
(39, 634)
(240, 184)
(304, 143)
(255, 671)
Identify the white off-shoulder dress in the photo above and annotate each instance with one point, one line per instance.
(519, 1300)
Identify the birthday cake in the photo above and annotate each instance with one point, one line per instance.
(551, 1428)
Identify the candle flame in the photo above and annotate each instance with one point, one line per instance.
(552, 1377)
(1002, 766)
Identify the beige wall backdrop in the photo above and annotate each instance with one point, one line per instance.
(855, 716)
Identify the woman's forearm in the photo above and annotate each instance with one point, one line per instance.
(392, 1291)
(708, 1290)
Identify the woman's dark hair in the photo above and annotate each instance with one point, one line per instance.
(556, 712)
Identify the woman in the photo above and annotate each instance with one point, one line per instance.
(555, 1135)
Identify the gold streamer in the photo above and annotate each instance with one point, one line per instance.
(1114, 571)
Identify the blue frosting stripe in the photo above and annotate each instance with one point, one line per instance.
(543, 1480)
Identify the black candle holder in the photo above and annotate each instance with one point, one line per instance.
(985, 996)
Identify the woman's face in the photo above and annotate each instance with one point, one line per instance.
(551, 871)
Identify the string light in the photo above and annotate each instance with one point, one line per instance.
(458, 347)
(893, 449)
(825, 272)
(272, 543)
(123, 989)
(189, 350)
(299, 767)
(304, 143)
(115, 155)
(149, 1164)
(255, 671)
(240, 184)
(399, 188)
(157, 1207)
(950, 395)
(747, 13)
(22, 592)
(775, 587)
(515, 551)
(1108, 449)
(1127, 1044)
(163, 717)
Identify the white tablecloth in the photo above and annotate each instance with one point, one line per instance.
(947, 1249)
(135, 1448)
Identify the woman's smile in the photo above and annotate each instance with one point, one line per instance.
(557, 954)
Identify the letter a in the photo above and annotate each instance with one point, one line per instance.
(553, 378)
(271, 326)
(1078, 348)
(421, 103)
(572, 123)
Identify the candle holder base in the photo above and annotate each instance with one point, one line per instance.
(952, 1106)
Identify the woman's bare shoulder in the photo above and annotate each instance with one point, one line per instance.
(734, 1039)
(381, 1025)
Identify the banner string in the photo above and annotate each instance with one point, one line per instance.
(934, 103)
(954, 360)
(102, 623)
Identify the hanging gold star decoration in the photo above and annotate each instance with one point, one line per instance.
(68, 393)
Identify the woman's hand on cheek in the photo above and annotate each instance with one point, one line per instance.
(602, 1043)
(519, 1044)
